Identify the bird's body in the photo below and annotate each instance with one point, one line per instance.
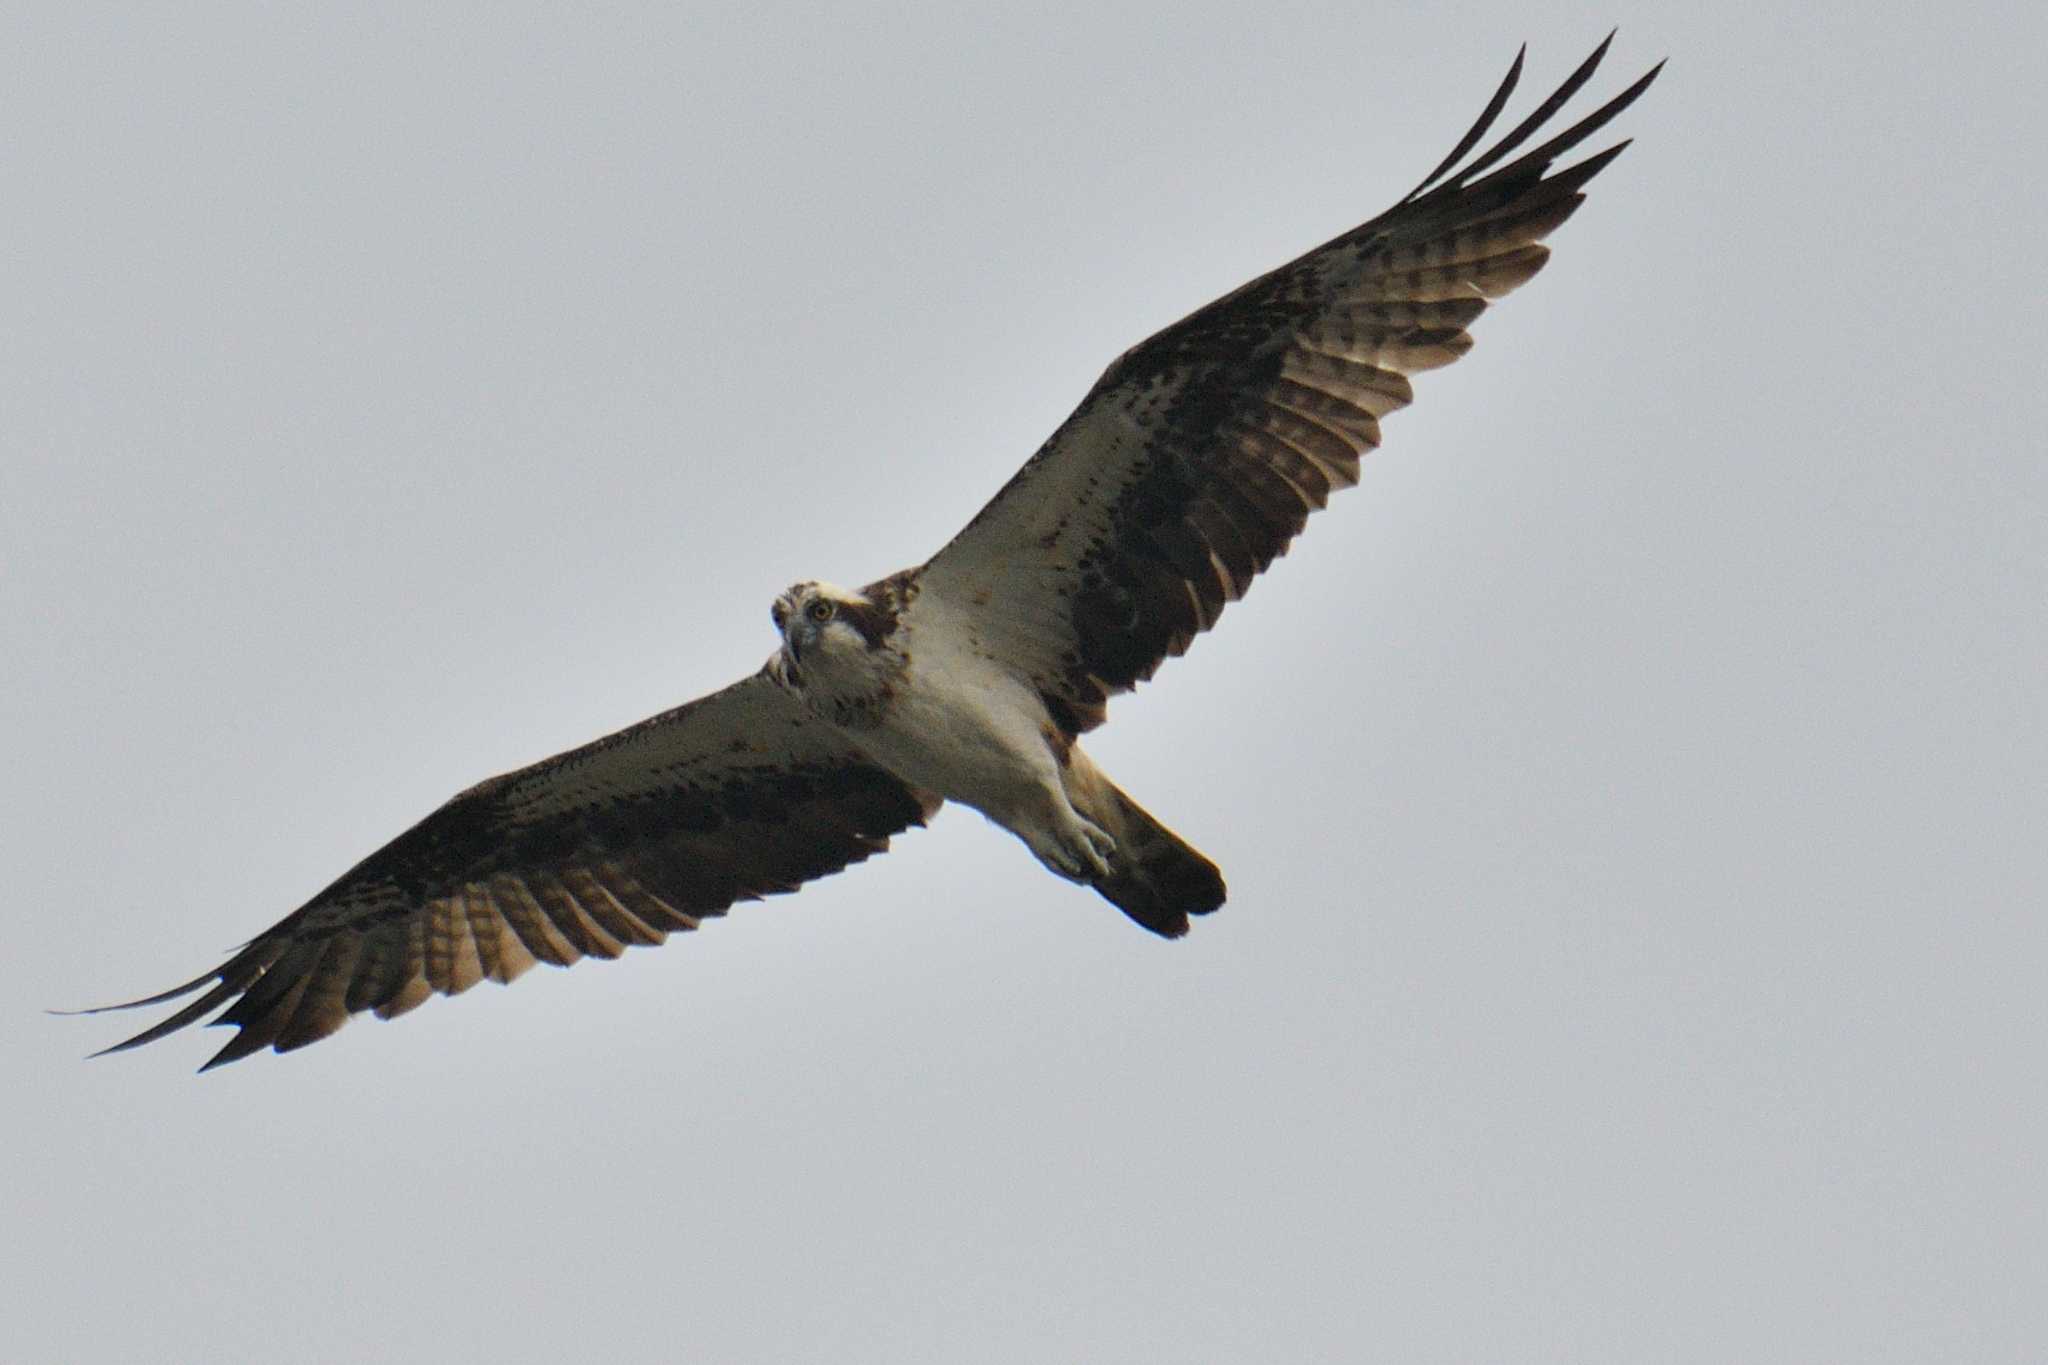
(970, 678)
(920, 695)
(957, 724)
(922, 702)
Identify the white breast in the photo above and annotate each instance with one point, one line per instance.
(960, 724)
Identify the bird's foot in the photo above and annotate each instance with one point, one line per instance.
(1080, 851)
(1086, 850)
(1099, 847)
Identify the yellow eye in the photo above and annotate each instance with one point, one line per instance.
(819, 611)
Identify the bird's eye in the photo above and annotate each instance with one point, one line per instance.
(820, 611)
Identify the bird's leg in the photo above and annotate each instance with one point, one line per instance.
(1075, 848)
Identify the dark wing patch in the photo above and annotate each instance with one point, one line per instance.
(1199, 455)
(617, 844)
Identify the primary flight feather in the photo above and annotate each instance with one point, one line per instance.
(1187, 469)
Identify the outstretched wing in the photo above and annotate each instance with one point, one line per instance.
(621, 842)
(1200, 453)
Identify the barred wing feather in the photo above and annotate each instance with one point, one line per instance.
(626, 840)
(1199, 455)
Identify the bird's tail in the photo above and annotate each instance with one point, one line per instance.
(1155, 877)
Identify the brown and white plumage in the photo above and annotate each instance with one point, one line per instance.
(1189, 467)
(643, 833)
(1200, 453)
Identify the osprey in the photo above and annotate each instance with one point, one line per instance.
(1189, 467)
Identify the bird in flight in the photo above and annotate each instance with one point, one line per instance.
(1189, 467)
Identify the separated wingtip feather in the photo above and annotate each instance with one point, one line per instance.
(159, 998)
(1542, 114)
(1479, 125)
(213, 999)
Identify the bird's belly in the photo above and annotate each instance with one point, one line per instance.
(977, 740)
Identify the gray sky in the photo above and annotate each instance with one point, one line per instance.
(1631, 796)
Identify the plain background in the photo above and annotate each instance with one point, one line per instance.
(1632, 796)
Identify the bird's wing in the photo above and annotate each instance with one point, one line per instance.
(1200, 453)
(735, 796)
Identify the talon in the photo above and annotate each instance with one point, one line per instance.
(1079, 851)
(1099, 847)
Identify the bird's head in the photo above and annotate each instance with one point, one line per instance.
(820, 620)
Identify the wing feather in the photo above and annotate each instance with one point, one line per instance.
(1196, 459)
(618, 844)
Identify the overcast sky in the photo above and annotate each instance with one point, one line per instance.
(1631, 796)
